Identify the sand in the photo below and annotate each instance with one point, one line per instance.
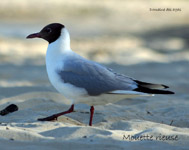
(116, 126)
(149, 46)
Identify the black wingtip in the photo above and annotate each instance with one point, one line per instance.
(167, 92)
(170, 92)
(165, 86)
(151, 85)
(152, 91)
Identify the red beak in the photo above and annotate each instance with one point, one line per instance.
(34, 35)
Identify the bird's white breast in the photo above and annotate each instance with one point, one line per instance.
(55, 59)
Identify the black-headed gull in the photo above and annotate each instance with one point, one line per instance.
(85, 81)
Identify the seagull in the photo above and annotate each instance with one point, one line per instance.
(85, 81)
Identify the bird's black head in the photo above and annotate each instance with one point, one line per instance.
(49, 33)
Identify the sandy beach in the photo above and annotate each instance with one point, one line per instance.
(151, 46)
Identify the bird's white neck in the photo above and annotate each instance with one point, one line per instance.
(62, 44)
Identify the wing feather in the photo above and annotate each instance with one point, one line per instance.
(95, 78)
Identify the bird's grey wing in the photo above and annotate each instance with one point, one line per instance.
(93, 77)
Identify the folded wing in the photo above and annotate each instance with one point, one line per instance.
(97, 79)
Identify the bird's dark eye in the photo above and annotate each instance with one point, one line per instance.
(48, 30)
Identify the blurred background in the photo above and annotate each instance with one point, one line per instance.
(125, 35)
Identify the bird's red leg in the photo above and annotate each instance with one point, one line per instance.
(55, 116)
(91, 115)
